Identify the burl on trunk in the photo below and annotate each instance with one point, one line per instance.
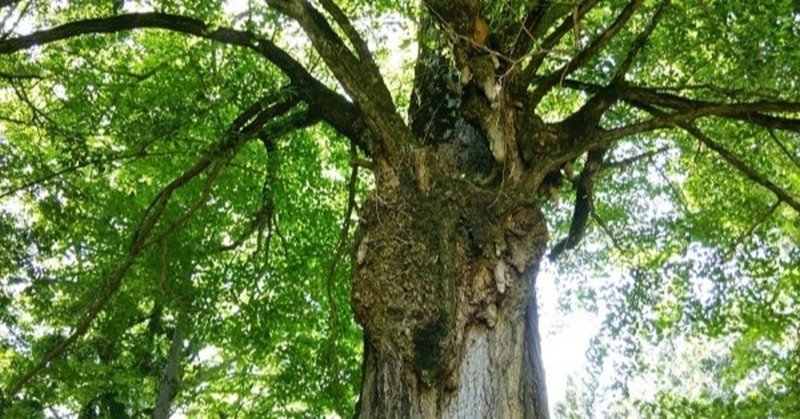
(444, 288)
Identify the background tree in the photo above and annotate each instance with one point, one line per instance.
(181, 184)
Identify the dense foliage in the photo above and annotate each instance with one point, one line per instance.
(171, 191)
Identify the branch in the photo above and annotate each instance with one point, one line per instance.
(741, 166)
(360, 79)
(651, 96)
(9, 13)
(663, 120)
(332, 107)
(640, 41)
(636, 94)
(634, 159)
(761, 220)
(584, 55)
(530, 27)
(527, 74)
(15, 76)
(58, 173)
(789, 155)
(614, 240)
(589, 115)
(539, 17)
(114, 280)
(734, 161)
(584, 203)
(360, 46)
(265, 214)
(171, 376)
(139, 239)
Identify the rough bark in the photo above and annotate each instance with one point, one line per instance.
(443, 285)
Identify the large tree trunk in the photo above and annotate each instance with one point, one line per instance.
(444, 288)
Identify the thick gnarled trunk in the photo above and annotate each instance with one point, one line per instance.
(443, 286)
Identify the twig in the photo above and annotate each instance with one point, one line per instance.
(761, 220)
(676, 192)
(783, 148)
(608, 233)
(634, 159)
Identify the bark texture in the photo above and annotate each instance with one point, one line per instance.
(443, 285)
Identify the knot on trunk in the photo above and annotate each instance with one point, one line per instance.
(427, 266)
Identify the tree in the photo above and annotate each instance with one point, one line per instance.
(176, 180)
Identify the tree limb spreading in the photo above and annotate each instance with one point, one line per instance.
(550, 80)
(526, 75)
(359, 77)
(641, 94)
(733, 110)
(734, 161)
(145, 235)
(332, 107)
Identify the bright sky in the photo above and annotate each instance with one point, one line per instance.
(565, 338)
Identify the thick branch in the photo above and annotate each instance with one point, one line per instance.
(332, 107)
(674, 119)
(757, 117)
(638, 94)
(734, 161)
(584, 203)
(585, 54)
(171, 376)
(526, 75)
(360, 46)
(360, 79)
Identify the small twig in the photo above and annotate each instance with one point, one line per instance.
(761, 220)
(619, 164)
(608, 232)
(783, 148)
(676, 192)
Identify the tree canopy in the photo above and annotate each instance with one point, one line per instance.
(181, 180)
